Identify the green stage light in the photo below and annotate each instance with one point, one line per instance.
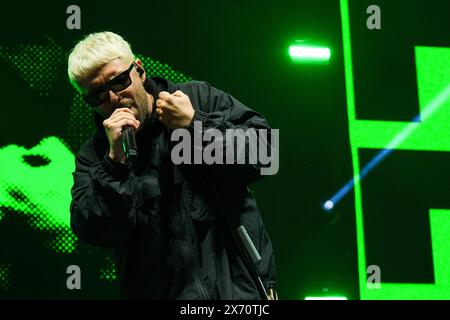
(302, 53)
(325, 298)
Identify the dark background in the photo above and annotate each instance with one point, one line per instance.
(240, 47)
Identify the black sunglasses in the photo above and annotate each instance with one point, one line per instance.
(118, 83)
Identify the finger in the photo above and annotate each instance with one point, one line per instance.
(118, 114)
(110, 124)
(178, 93)
(162, 118)
(123, 116)
(122, 124)
(162, 104)
(121, 110)
(126, 122)
(164, 95)
(159, 103)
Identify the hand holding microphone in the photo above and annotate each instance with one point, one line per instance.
(120, 127)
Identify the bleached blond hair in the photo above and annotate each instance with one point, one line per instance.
(93, 52)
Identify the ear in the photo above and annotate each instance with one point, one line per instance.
(140, 69)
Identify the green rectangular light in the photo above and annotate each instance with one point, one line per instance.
(325, 298)
(301, 53)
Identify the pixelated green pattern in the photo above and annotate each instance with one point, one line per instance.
(109, 272)
(41, 191)
(40, 188)
(5, 270)
(157, 69)
(38, 65)
(81, 125)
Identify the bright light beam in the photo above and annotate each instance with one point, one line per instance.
(380, 156)
(307, 53)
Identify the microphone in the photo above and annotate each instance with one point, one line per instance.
(129, 144)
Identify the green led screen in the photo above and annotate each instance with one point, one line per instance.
(37, 185)
(430, 133)
(337, 109)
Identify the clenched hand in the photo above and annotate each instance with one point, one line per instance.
(174, 110)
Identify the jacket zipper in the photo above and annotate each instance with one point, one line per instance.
(200, 287)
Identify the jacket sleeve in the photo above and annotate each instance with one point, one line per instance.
(102, 208)
(242, 162)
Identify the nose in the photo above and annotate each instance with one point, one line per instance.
(114, 98)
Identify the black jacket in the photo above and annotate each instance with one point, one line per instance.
(166, 222)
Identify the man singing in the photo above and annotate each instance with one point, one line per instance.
(172, 226)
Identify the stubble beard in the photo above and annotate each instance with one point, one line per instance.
(140, 103)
